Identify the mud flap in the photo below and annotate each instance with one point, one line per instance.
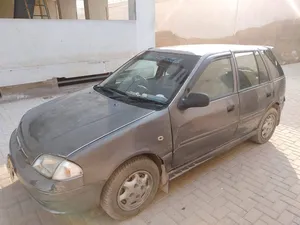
(164, 183)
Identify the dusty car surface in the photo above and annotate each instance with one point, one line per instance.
(159, 115)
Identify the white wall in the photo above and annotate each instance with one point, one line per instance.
(145, 22)
(37, 50)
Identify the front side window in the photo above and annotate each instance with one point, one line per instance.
(152, 77)
(217, 80)
(247, 70)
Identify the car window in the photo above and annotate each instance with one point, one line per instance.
(272, 63)
(217, 79)
(247, 70)
(146, 69)
(262, 70)
(152, 76)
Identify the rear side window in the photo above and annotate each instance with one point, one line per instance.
(262, 70)
(247, 70)
(273, 65)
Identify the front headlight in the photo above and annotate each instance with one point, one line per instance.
(57, 168)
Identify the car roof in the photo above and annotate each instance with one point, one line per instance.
(202, 49)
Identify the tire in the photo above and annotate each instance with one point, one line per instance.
(259, 138)
(125, 175)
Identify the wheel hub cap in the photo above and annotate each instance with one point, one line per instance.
(135, 190)
(268, 126)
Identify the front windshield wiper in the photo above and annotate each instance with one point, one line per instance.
(109, 89)
(128, 96)
(140, 99)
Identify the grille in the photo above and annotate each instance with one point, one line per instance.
(21, 149)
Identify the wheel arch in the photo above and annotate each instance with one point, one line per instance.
(276, 105)
(164, 178)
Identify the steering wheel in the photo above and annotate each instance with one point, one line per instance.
(140, 80)
(139, 84)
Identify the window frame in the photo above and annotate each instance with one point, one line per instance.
(202, 67)
(266, 67)
(237, 74)
(261, 52)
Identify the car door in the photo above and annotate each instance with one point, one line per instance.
(251, 92)
(266, 96)
(197, 131)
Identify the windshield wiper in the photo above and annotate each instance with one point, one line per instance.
(147, 100)
(128, 96)
(109, 89)
(117, 91)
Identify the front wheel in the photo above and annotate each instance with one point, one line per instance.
(266, 127)
(131, 188)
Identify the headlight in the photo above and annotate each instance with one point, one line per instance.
(67, 170)
(56, 168)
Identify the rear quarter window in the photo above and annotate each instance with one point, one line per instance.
(272, 64)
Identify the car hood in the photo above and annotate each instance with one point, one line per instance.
(67, 123)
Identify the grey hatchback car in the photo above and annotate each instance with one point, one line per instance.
(159, 115)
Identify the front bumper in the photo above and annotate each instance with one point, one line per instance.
(54, 196)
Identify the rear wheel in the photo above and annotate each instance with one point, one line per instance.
(131, 188)
(266, 127)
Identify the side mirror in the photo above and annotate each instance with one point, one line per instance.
(193, 100)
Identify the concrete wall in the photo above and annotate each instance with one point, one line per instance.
(145, 23)
(263, 22)
(37, 50)
(42, 49)
(6, 8)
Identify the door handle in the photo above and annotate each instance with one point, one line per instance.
(230, 108)
(268, 94)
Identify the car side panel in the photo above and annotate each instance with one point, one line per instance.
(255, 102)
(266, 96)
(150, 135)
(197, 131)
(250, 112)
(279, 90)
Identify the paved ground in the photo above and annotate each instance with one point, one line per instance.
(251, 184)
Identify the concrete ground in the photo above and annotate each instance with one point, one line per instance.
(251, 184)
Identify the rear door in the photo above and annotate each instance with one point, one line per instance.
(197, 131)
(266, 94)
(255, 90)
(276, 75)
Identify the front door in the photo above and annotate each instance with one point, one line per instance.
(197, 131)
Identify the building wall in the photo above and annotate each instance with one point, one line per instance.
(62, 48)
(6, 8)
(38, 50)
(263, 22)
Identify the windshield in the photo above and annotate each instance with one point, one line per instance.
(152, 77)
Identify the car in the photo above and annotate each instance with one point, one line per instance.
(162, 113)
